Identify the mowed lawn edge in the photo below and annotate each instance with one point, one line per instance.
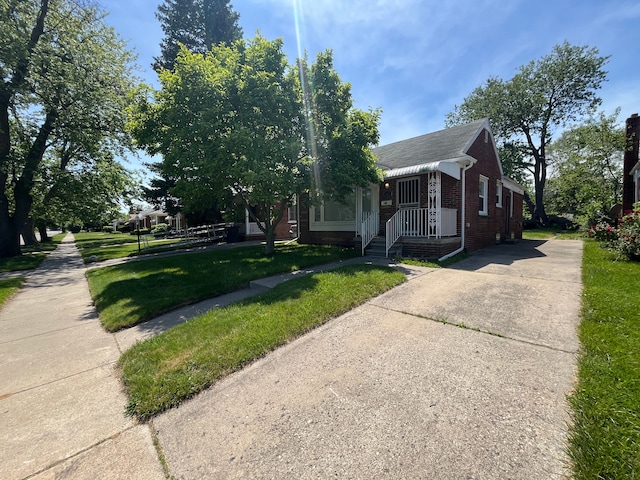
(161, 372)
(604, 440)
(134, 292)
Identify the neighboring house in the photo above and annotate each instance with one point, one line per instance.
(631, 172)
(147, 219)
(442, 193)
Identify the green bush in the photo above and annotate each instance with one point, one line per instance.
(628, 242)
(160, 228)
(75, 228)
(107, 229)
(623, 239)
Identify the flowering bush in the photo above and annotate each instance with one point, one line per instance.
(603, 232)
(628, 234)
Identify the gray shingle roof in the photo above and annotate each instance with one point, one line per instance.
(415, 154)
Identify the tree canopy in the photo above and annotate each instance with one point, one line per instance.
(586, 161)
(65, 78)
(196, 25)
(527, 110)
(236, 123)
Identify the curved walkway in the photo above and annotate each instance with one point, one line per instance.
(383, 391)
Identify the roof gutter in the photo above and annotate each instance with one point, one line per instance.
(462, 216)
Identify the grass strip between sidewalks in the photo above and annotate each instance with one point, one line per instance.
(605, 435)
(31, 257)
(134, 292)
(161, 372)
(8, 287)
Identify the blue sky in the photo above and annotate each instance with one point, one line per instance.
(417, 59)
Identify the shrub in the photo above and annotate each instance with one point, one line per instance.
(628, 241)
(75, 228)
(160, 228)
(107, 229)
(603, 232)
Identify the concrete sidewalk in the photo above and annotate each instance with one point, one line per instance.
(61, 406)
(381, 392)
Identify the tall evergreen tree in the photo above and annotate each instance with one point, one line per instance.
(196, 24)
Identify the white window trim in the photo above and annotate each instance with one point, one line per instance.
(484, 194)
(498, 194)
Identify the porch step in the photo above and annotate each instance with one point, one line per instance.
(378, 246)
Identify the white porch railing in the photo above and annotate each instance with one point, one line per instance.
(421, 222)
(369, 228)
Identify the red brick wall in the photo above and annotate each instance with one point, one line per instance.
(482, 229)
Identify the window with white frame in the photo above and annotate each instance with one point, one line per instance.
(484, 194)
(333, 212)
(409, 192)
(499, 194)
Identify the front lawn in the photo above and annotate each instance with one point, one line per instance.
(163, 371)
(605, 435)
(105, 246)
(137, 291)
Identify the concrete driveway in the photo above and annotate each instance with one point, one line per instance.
(460, 373)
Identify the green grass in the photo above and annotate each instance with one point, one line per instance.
(8, 288)
(605, 435)
(137, 291)
(31, 257)
(547, 233)
(106, 246)
(434, 263)
(161, 372)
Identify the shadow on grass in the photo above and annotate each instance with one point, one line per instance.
(134, 292)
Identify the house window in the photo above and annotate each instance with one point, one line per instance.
(409, 192)
(484, 194)
(499, 194)
(330, 211)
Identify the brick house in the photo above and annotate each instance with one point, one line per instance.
(631, 172)
(442, 193)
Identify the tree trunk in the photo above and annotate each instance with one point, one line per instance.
(41, 225)
(270, 244)
(9, 238)
(28, 233)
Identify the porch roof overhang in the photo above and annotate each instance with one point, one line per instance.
(451, 167)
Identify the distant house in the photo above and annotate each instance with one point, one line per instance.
(147, 219)
(631, 175)
(442, 193)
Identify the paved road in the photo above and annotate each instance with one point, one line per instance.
(393, 389)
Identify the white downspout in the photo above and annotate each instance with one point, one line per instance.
(462, 216)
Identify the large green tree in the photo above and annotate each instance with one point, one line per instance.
(64, 79)
(586, 160)
(525, 111)
(196, 25)
(235, 122)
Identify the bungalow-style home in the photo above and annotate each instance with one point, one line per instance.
(442, 193)
(631, 165)
(146, 219)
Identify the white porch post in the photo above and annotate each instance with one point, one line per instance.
(434, 205)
